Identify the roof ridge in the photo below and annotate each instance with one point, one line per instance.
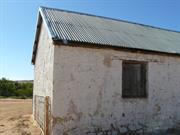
(109, 18)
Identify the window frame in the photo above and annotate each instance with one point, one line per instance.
(143, 65)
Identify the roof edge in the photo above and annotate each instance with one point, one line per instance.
(93, 45)
(40, 18)
(37, 32)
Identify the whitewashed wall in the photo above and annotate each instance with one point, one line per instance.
(88, 87)
(43, 68)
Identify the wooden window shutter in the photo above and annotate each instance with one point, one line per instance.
(133, 79)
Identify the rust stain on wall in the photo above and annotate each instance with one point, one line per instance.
(107, 60)
(61, 120)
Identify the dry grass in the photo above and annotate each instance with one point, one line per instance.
(15, 117)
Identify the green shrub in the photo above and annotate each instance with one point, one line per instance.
(10, 88)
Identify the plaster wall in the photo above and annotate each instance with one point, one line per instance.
(43, 68)
(87, 97)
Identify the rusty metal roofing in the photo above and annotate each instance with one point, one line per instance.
(79, 27)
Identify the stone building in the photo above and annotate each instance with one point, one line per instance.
(98, 75)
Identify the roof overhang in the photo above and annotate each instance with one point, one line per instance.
(40, 18)
(38, 28)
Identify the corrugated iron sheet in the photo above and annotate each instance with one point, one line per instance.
(78, 27)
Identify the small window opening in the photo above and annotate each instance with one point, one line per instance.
(134, 79)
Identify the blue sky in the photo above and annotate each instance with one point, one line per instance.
(18, 24)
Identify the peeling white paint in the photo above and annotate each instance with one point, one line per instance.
(92, 80)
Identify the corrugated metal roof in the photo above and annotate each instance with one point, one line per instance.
(79, 27)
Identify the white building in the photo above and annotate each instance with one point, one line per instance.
(97, 75)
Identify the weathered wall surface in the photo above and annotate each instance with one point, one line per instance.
(43, 68)
(88, 88)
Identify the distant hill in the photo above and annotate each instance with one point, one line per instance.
(24, 81)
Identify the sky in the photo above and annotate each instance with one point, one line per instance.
(18, 24)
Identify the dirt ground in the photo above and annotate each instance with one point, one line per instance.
(16, 117)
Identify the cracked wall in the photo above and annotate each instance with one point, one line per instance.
(87, 92)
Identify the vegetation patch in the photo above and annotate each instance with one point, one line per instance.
(15, 89)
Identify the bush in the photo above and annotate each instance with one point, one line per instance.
(10, 88)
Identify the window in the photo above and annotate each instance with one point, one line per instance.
(134, 79)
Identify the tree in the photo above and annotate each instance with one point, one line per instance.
(10, 88)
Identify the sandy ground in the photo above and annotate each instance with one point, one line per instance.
(16, 117)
